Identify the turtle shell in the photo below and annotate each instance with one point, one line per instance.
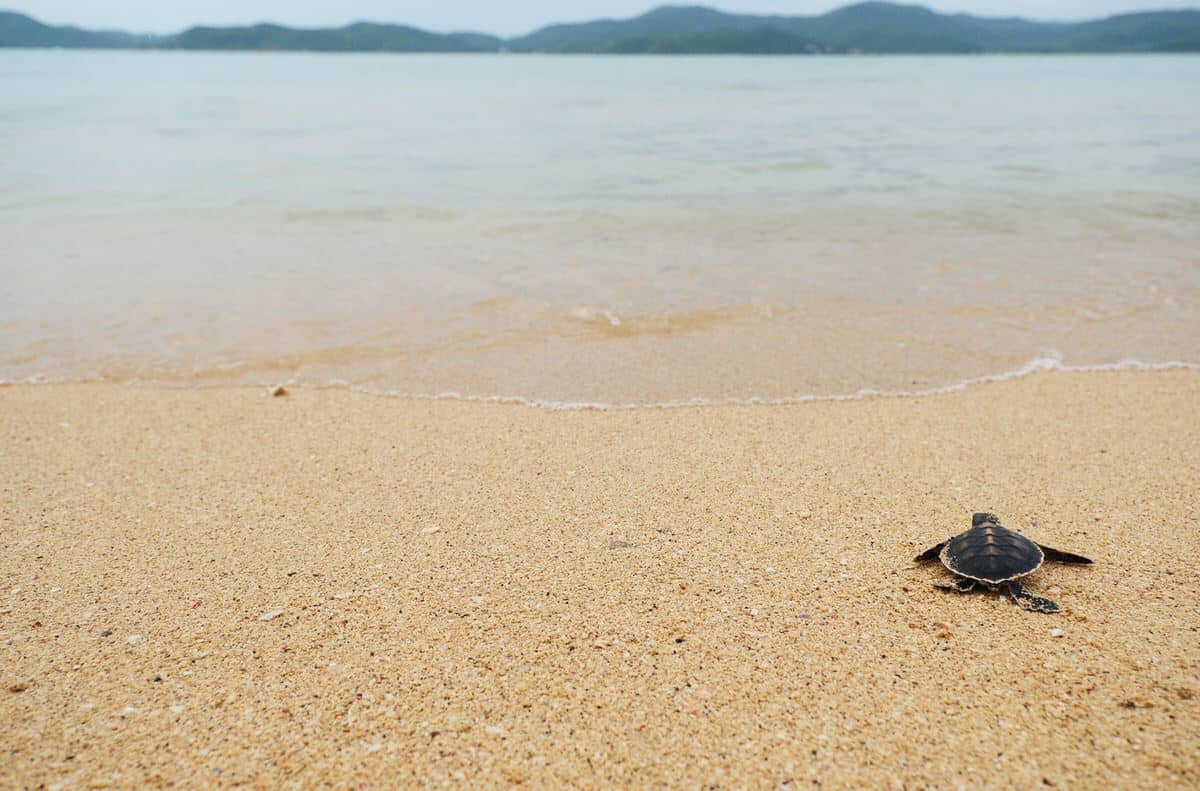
(991, 554)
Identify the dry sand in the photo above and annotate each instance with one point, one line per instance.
(218, 587)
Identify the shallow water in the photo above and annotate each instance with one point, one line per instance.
(601, 230)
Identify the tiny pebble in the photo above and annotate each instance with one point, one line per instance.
(106, 633)
(1056, 632)
(133, 638)
(177, 709)
(279, 391)
(267, 616)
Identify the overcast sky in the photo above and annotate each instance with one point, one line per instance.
(503, 17)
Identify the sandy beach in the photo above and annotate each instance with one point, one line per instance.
(218, 587)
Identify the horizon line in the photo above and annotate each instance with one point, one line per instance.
(649, 9)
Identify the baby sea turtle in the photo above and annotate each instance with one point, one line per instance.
(995, 556)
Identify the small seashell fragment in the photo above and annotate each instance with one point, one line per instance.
(431, 529)
(1056, 632)
(271, 615)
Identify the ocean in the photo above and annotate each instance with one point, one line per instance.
(595, 230)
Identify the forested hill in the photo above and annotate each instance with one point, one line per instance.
(18, 30)
(359, 37)
(866, 27)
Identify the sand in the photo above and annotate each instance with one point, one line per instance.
(218, 587)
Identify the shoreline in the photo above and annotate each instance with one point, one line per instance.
(332, 587)
(1035, 366)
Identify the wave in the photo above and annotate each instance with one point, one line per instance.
(1033, 366)
(1036, 365)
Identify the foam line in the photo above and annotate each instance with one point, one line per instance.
(1036, 365)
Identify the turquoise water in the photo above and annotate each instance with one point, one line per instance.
(616, 230)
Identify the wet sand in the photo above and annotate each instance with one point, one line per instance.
(218, 587)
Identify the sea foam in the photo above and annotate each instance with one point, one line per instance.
(1034, 366)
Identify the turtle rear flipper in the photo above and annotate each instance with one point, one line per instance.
(1062, 557)
(930, 554)
(1028, 601)
(960, 584)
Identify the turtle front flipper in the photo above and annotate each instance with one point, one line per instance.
(930, 554)
(960, 584)
(1028, 601)
(1062, 557)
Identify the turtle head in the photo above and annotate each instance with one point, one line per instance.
(984, 519)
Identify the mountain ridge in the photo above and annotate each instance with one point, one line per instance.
(868, 27)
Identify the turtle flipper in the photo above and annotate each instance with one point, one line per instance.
(960, 584)
(1028, 601)
(930, 554)
(1062, 557)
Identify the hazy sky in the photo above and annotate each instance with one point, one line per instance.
(504, 17)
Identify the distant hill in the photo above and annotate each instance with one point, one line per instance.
(359, 37)
(18, 30)
(1170, 31)
(759, 41)
(872, 27)
(867, 27)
